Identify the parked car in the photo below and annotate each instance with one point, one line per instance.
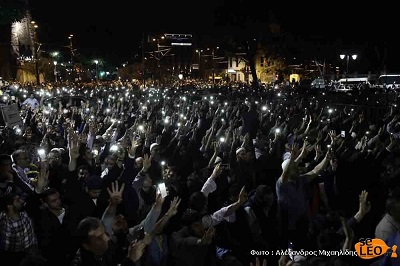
(318, 83)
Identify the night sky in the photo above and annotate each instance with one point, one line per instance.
(115, 27)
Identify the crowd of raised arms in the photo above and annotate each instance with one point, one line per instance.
(190, 174)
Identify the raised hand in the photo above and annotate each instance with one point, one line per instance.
(115, 193)
(146, 162)
(243, 196)
(73, 145)
(365, 205)
(333, 136)
(294, 151)
(208, 236)
(258, 263)
(217, 171)
(43, 176)
(82, 138)
(173, 208)
(134, 145)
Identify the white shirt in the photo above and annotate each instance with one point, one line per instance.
(211, 220)
(32, 103)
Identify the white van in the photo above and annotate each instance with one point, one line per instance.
(389, 81)
(347, 84)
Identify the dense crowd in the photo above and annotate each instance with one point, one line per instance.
(193, 175)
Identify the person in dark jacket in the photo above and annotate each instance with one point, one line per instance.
(193, 244)
(96, 248)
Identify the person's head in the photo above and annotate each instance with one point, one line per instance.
(393, 204)
(120, 154)
(193, 219)
(50, 130)
(6, 171)
(51, 199)
(54, 158)
(155, 151)
(110, 161)
(264, 195)
(20, 158)
(138, 163)
(97, 143)
(243, 155)
(12, 203)
(86, 153)
(39, 125)
(198, 202)
(94, 185)
(125, 143)
(31, 96)
(83, 172)
(170, 174)
(28, 132)
(147, 183)
(93, 236)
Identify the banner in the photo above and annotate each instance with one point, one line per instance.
(11, 115)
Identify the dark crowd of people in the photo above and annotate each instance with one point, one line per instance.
(188, 176)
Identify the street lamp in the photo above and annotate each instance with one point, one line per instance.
(71, 50)
(71, 47)
(347, 56)
(213, 62)
(199, 52)
(55, 71)
(97, 63)
(36, 51)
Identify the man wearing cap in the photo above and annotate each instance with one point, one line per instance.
(243, 168)
(155, 170)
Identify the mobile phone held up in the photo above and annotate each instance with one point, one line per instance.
(136, 235)
(162, 190)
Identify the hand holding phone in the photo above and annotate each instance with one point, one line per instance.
(136, 235)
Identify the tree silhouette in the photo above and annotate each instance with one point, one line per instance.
(10, 11)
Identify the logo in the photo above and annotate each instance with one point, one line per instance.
(368, 248)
